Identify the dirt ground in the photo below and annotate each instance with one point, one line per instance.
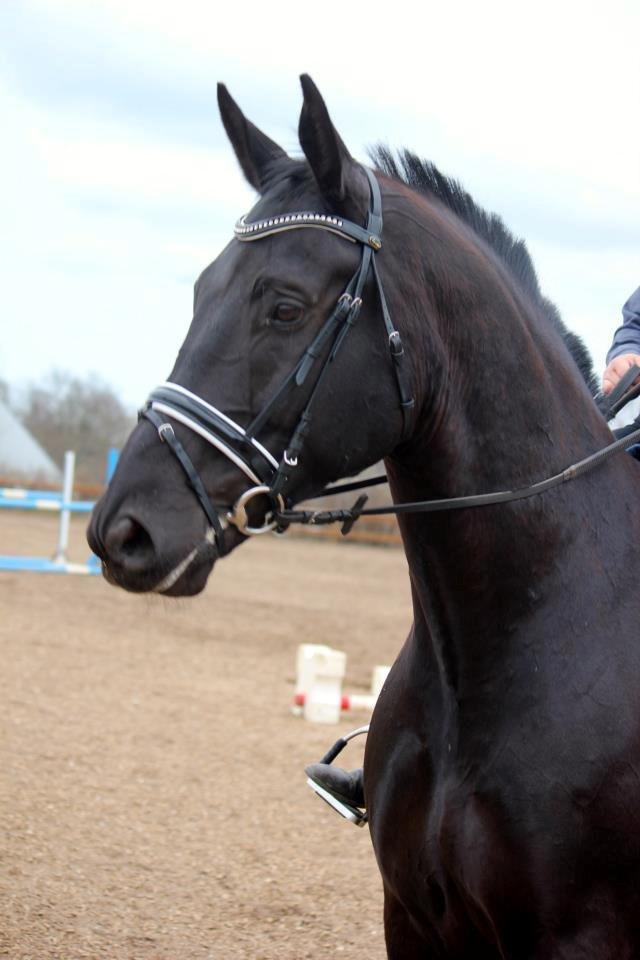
(152, 799)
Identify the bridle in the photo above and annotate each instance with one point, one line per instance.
(268, 474)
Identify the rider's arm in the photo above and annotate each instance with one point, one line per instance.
(625, 349)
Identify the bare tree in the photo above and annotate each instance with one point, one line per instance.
(65, 412)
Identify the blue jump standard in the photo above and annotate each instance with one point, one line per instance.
(24, 493)
(50, 504)
(46, 565)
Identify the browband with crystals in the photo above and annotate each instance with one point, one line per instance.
(245, 230)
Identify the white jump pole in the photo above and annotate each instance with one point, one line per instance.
(65, 513)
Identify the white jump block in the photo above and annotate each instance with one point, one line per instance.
(318, 694)
(320, 672)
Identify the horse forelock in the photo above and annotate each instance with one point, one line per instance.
(289, 182)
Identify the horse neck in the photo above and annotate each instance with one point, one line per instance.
(503, 407)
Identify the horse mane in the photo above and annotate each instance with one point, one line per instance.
(424, 177)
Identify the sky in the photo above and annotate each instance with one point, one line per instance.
(118, 186)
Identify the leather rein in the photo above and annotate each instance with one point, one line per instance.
(269, 475)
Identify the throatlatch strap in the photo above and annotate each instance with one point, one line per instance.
(396, 350)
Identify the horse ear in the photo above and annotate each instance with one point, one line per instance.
(253, 148)
(341, 181)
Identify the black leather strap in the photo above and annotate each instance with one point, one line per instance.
(396, 349)
(349, 516)
(167, 435)
(236, 439)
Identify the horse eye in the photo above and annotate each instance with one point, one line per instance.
(287, 313)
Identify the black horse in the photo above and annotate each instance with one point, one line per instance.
(502, 770)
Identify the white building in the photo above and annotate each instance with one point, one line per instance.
(21, 456)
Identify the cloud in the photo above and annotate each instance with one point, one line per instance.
(73, 61)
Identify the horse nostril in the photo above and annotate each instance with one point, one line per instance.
(127, 540)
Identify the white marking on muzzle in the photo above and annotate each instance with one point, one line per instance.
(183, 566)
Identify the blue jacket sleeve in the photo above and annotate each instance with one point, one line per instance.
(626, 339)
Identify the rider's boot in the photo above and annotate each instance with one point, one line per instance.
(346, 786)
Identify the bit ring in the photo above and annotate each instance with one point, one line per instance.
(238, 514)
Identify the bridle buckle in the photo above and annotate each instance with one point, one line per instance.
(165, 430)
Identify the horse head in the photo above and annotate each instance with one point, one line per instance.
(264, 404)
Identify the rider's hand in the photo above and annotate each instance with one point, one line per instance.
(617, 369)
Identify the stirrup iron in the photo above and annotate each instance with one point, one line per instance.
(353, 814)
